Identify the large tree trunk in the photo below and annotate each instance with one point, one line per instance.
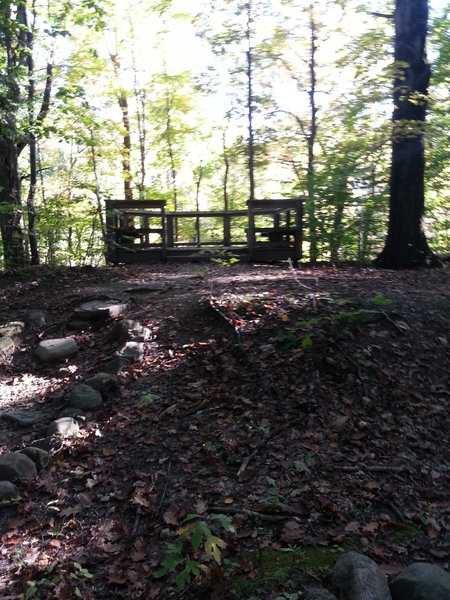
(10, 213)
(406, 246)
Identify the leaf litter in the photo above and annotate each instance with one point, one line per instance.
(310, 406)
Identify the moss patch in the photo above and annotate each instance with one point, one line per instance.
(284, 569)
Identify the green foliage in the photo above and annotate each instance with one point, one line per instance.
(147, 399)
(195, 545)
(69, 577)
(273, 495)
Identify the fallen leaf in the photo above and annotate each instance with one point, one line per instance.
(370, 527)
(352, 526)
(291, 532)
(170, 517)
(391, 569)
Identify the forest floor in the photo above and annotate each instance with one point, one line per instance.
(297, 413)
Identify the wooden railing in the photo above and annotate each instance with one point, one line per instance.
(273, 229)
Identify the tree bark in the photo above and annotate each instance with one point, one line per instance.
(406, 245)
(126, 148)
(311, 141)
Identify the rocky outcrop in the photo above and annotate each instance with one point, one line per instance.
(105, 383)
(16, 467)
(49, 351)
(357, 577)
(421, 581)
(8, 492)
(85, 397)
(22, 418)
(99, 310)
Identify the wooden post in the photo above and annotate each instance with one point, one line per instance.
(251, 230)
(170, 231)
(226, 230)
(111, 224)
(163, 235)
(298, 235)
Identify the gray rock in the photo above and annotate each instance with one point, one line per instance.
(357, 577)
(12, 329)
(71, 411)
(8, 492)
(37, 455)
(317, 594)
(65, 427)
(119, 331)
(85, 397)
(139, 334)
(7, 347)
(56, 349)
(99, 309)
(23, 418)
(16, 467)
(34, 318)
(105, 383)
(116, 364)
(79, 325)
(421, 581)
(133, 351)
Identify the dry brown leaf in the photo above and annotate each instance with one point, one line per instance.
(291, 532)
(170, 517)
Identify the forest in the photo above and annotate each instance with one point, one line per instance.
(209, 105)
(224, 300)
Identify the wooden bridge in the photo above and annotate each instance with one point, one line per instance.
(141, 231)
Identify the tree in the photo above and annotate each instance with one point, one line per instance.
(13, 41)
(406, 245)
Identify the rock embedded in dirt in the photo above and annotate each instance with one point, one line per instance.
(54, 350)
(71, 411)
(78, 325)
(421, 581)
(22, 418)
(7, 347)
(96, 310)
(116, 364)
(64, 426)
(139, 334)
(133, 351)
(85, 397)
(16, 467)
(317, 594)
(8, 491)
(357, 577)
(119, 331)
(39, 456)
(12, 329)
(34, 318)
(105, 383)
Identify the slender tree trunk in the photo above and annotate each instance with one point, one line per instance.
(406, 246)
(140, 98)
(98, 193)
(251, 135)
(311, 141)
(198, 183)
(226, 172)
(126, 148)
